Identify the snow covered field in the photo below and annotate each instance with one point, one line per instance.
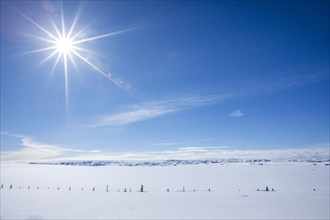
(233, 192)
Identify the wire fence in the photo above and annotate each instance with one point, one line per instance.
(105, 188)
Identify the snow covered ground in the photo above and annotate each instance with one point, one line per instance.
(233, 192)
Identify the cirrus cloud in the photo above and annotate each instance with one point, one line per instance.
(157, 108)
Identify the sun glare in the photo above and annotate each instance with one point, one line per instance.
(64, 45)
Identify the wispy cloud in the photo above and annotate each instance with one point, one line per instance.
(283, 81)
(157, 108)
(236, 114)
(9, 134)
(181, 143)
(35, 151)
(153, 109)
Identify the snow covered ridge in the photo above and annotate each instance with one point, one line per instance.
(34, 151)
(146, 163)
(194, 156)
(168, 162)
(43, 153)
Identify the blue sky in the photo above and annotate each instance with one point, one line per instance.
(166, 75)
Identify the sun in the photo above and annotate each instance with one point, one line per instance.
(64, 45)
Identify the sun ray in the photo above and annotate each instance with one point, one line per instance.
(75, 20)
(81, 49)
(62, 19)
(56, 29)
(55, 64)
(66, 44)
(47, 40)
(119, 84)
(90, 64)
(66, 82)
(73, 62)
(37, 51)
(102, 36)
(81, 31)
(49, 56)
(35, 24)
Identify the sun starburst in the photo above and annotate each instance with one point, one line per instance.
(64, 45)
(67, 44)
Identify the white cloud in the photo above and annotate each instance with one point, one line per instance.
(34, 151)
(153, 109)
(157, 108)
(223, 152)
(236, 114)
(132, 116)
(198, 149)
(180, 143)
